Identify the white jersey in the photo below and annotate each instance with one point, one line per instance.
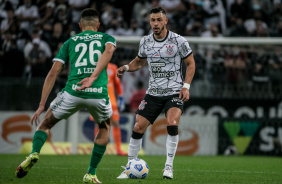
(164, 59)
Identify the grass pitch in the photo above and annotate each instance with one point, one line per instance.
(187, 169)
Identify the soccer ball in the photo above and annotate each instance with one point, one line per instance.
(137, 169)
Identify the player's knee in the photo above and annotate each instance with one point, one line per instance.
(172, 130)
(138, 129)
(172, 122)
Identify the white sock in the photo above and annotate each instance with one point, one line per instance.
(171, 146)
(134, 148)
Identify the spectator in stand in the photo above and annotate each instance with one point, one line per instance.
(139, 7)
(57, 36)
(8, 4)
(107, 15)
(276, 23)
(63, 14)
(116, 29)
(200, 74)
(261, 30)
(76, 7)
(260, 74)
(275, 62)
(238, 30)
(137, 96)
(11, 57)
(216, 13)
(176, 13)
(172, 7)
(47, 19)
(236, 66)
(36, 59)
(134, 30)
(239, 9)
(212, 32)
(266, 8)
(7, 21)
(27, 14)
(277, 32)
(196, 16)
(251, 24)
(37, 53)
(46, 12)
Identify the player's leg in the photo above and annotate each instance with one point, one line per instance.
(100, 145)
(135, 142)
(173, 108)
(63, 106)
(101, 111)
(149, 109)
(39, 139)
(173, 116)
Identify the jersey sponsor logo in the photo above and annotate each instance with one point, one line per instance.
(87, 37)
(91, 90)
(177, 100)
(169, 50)
(142, 105)
(160, 91)
(163, 74)
(158, 64)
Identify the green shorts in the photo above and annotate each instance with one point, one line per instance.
(64, 105)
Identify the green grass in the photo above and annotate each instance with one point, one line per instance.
(187, 169)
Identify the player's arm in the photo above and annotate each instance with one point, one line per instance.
(190, 71)
(47, 87)
(102, 63)
(134, 65)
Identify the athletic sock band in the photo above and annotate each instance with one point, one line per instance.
(172, 130)
(136, 135)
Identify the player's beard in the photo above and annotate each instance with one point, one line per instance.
(158, 33)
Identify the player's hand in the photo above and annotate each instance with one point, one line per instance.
(120, 71)
(35, 117)
(184, 94)
(86, 83)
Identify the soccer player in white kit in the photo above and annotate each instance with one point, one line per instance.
(164, 51)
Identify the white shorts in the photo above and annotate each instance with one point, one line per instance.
(64, 105)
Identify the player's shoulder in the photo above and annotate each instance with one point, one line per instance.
(147, 38)
(105, 35)
(173, 35)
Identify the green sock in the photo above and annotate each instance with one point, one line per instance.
(39, 139)
(97, 154)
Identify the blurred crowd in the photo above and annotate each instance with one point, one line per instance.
(32, 32)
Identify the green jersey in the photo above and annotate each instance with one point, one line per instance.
(83, 52)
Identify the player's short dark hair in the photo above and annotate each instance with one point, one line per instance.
(89, 13)
(157, 9)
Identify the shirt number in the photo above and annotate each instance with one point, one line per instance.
(92, 51)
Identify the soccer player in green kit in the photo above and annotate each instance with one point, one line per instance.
(88, 53)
